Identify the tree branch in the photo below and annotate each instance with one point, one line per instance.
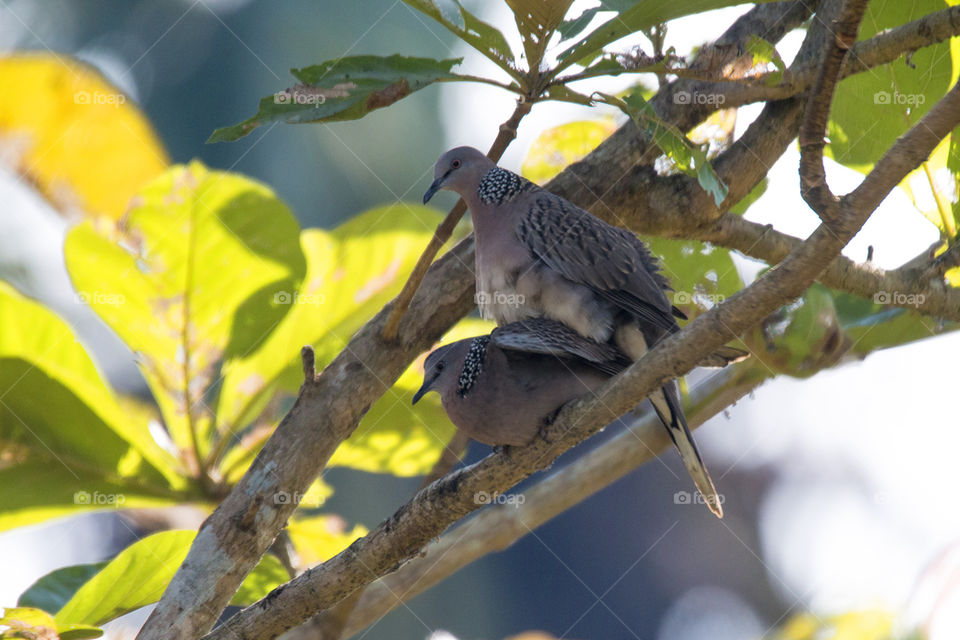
(647, 203)
(763, 242)
(231, 541)
(881, 49)
(813, 176)
(447, 500)
(497, 527)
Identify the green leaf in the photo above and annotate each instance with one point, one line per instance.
(63, 433)
(265, 577)
(572, 28)
(802, 338)
(475, 32)
(564, 93)
(953, 168)
(55, 402)
(874, 324)
(28, 622)
(536, 22)
(37, 490)
(872, 109)
(352, 272)
(930, 186)
(764, 52)
(188, 280)
(52, 591)
(614, 65)
(139, 574)
(343, 89)
(702, 275)
(687, 157)
(641, 15)
(741, 207)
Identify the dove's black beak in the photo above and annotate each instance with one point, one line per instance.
(433, 189)
(423, 391)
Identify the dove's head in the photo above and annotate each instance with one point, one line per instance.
(442, 369)
(459, 170)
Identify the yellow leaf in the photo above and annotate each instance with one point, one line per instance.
(83, 143)
(555, 148)
(319, 538)
(397, 437)
(953, 277)
(868, 624)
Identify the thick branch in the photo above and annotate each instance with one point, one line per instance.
(498, 527)
(763, 242)
(446, 501)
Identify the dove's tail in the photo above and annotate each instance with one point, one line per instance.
(666, 402)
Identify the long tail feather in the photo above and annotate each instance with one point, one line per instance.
(666, 402)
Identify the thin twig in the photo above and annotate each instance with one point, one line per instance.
(813, 177)
(508, 132)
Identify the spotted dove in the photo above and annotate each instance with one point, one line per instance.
(500, 389)
(538, 255)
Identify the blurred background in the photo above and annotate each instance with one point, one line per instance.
(838, 489)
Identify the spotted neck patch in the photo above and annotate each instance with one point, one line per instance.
(472, 365)
(499, 186)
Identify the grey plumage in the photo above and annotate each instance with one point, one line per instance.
(500, 389)
(538, 255)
